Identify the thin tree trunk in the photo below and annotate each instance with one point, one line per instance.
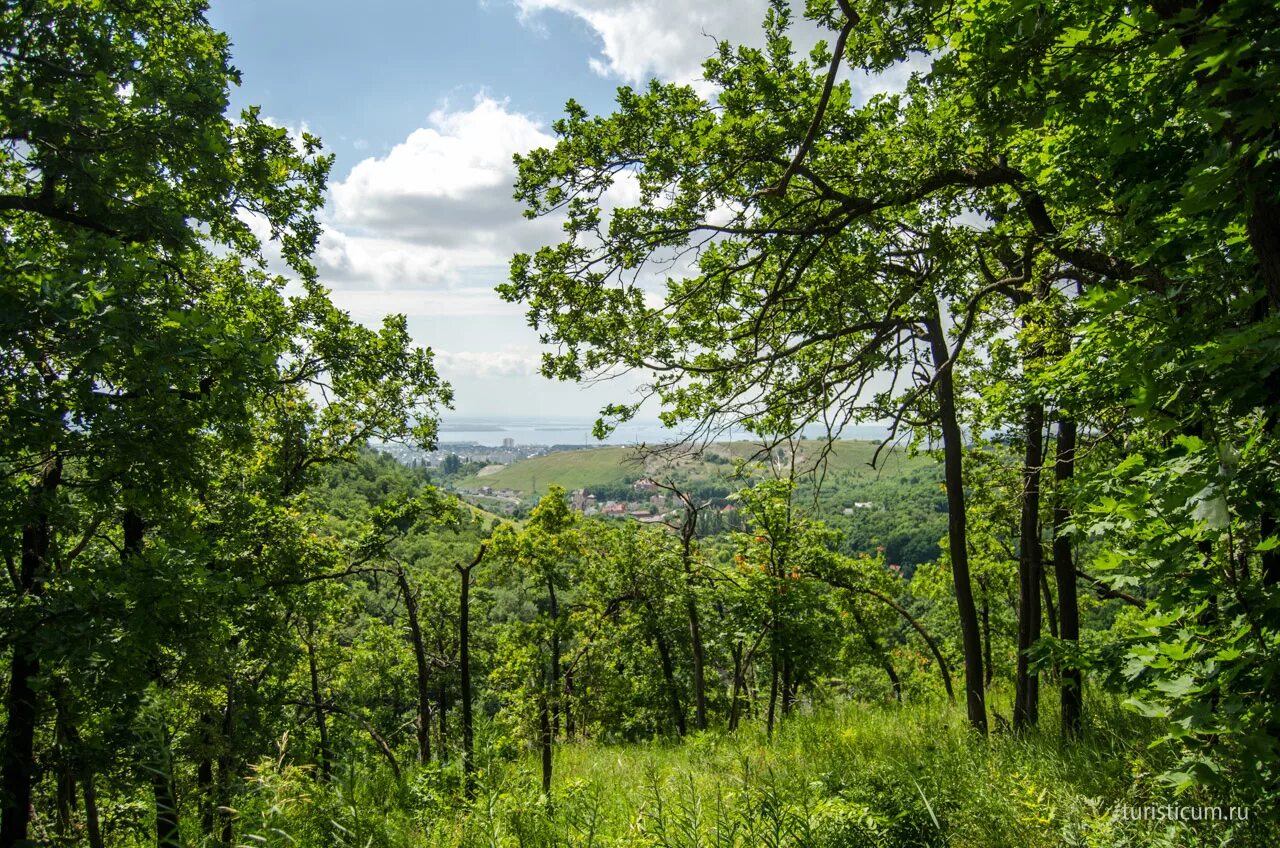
(226, 764)
(464, 670)
(669, 678)
(688, 531)
(567, 705)
(545, 741)
(205, 791)
(322, 721)
(986, 638)
(699, 666)
(554, 689)
(442, 748)
(21, 701)
(1050, 610)
(168, 828)
(1072, 692)
(92, 824)
(420, 657)
(957, 530)
(773, 696)
(1026, 703)
(65, 774)
(736, 691)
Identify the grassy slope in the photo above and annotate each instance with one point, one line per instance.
(855, 775)
(613, 465)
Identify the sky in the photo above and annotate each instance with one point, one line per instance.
(423, 105)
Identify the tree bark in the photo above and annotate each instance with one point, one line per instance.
(735, 692)
(322, 722)
(773, 695)
(688, 532)
(669, 678)
(226, 763)
(22, 702)
(464, 670)
(957, 528)
(986, 637)
(1072, 692)
(1046, 595)
(1026, 702)
(553, 691)
(545, 741)
(424, 672)
(92, 823)
(168, 827)
(442, 721)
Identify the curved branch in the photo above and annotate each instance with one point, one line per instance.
(780, 187)
(911, 619)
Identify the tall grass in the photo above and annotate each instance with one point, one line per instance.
(846, 776)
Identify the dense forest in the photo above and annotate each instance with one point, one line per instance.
(1049, 263)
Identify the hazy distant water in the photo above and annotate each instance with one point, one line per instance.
(577, 431)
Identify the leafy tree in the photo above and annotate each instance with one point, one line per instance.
(163, 390)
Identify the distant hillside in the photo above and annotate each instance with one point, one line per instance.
(613, 466)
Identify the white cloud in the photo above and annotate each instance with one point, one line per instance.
(669, 39)
(370, 305)
(485, 364)
(437, 206)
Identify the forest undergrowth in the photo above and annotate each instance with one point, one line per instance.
(853, 774)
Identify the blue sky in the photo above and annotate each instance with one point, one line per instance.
(424, 104)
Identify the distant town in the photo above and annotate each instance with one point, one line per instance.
(505, 454)
(642, 500)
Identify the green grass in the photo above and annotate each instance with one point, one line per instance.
(844, 777)
(614, 465)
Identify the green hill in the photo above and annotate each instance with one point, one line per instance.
(608, 466)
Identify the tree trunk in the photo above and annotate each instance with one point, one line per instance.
(420, 657)
(553, 691)
(688, 531)
(21, 700)
(1065, 576)
(736, 691)
(669, 677)
(1026, 702)
(699, 666)
(1046, 595)
(567, 705)
(957, 532)
(667, 665)
(322, 722)
(442, 721)
(65, 778)
(545, 741)
(986, 637)
(226, 764)
(773, 691)
(168, 829)
(92, 824)
(464, 670)
(206, 791)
